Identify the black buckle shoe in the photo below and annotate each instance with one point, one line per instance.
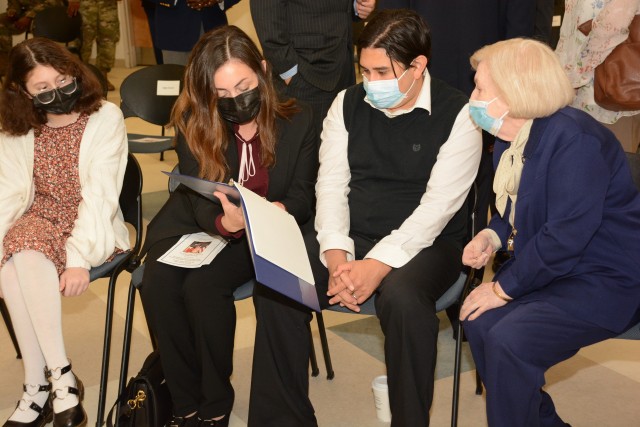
(45, 413)
(76, 415)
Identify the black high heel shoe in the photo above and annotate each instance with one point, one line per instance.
(45, 413)
(76, 415)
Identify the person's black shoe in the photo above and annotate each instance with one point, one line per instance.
(222, 422)
(192, 421)
(45, 414)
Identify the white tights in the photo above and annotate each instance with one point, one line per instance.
(30, 286)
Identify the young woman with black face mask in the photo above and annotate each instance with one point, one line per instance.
(63, 153)
(231, 124)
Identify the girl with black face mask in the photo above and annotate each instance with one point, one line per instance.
(63, 152)
(231, 124)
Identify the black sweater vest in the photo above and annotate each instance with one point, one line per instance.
(391, 160)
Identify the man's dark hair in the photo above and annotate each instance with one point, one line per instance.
(402, 33)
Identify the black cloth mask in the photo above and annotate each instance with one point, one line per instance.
(242, 108)
(61, 104)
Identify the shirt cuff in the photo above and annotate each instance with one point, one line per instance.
(355, 8)
(290, 73)
(388, 254)
(336, 241)
(493, 238)
(224, 233)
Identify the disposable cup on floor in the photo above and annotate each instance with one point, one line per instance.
(381, 398)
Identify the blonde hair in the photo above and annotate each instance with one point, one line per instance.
(528, 75)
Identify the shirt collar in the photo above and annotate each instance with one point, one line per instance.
(422, 101)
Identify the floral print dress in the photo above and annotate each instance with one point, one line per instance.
(580, 54)
(48, 222)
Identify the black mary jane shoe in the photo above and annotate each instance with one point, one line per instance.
(192, 421)
(76, 415)
(45, 413)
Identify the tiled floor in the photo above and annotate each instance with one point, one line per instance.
(599, 387)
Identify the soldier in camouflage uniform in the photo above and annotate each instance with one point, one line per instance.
(100, 24)
(17, 20)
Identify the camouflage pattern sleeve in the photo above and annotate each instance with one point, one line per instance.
(35, 6)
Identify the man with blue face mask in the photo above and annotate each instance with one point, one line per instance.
(399, 154)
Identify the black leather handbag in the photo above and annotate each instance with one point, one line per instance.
(146, 401)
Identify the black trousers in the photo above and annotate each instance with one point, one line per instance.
(406, 308)
(192, 314)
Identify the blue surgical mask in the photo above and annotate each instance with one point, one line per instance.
(479, 114)
(385, 93)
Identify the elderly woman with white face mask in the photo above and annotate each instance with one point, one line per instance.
(565, 201)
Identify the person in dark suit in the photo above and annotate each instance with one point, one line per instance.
(180, 23)
(309, 44)
(569, 214)
(231, 124)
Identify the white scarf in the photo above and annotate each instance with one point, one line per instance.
(509, 170)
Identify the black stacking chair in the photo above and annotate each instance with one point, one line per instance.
(148, 94)
(54, 23)
(131, 207)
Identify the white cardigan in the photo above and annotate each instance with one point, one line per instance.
(99, 228)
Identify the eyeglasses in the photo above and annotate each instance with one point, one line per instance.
(48, 96)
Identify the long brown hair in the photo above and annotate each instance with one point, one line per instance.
(195, 113)
(18, 115)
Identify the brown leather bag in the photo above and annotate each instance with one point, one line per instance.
(616, 83)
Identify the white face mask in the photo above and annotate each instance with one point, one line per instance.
(385, 94)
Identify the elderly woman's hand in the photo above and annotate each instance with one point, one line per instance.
(485, 297)
(478, 250)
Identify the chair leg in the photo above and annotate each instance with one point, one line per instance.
(456, 376)
(325, 346)
(313, 360)
(12, 334)
(106, 347)
(126, 343)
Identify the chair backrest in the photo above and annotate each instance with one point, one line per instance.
(54, 23)
(131, 199)
(150, 93)
(102, 79)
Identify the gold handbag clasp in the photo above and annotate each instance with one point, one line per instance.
(136, 402)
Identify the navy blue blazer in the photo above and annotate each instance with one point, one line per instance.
(291, 181)
(178, 27)
(578, 223)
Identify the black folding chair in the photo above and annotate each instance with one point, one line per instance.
(54, 23)
(149, 94)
